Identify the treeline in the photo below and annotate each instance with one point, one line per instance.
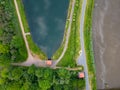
(12, 46)
(33, 78)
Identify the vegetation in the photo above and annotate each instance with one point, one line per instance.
(88, 43)
(33, 78)
(35, 49)
(23, 16)
(72, 52)
(12, 46)
(70, 7)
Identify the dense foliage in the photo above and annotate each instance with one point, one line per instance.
(72, 52)
(88, 43)
(12, 47)
(33, 78)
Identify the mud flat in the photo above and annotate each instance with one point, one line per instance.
(106, 41)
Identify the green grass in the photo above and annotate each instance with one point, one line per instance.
(72, 52)
(88, 43)
(35, 49)
(23, 16)
(70, 7)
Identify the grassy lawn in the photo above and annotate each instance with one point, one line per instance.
(88, 43)
(35, 49)
(72, 52)
(23, 16)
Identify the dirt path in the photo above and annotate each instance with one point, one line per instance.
(67, 36)
(30, 60)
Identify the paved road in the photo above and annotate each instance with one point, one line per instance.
(67, 36)
(82, 58)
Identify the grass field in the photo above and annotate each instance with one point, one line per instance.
(72, 52)
(88, 43)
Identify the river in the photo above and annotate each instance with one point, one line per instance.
(46, 19)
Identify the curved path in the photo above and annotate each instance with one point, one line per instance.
(67, 36)
(82, 58)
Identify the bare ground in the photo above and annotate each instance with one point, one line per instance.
(106, 37)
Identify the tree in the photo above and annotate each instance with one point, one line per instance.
(44, 84)
(26, 86)
(4, 73)
(15, 74)
(57, 87)
(31, 69)
(13, 86)
(47, 73)
(16, 42)
(3, 49)
(39, 73)
(2, 81)
(63, 73)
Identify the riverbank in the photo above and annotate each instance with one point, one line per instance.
(57, 54)
(106, 37)
(33, 47)
(73, 47)
(89, 43)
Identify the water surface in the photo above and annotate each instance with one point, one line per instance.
(46, 19)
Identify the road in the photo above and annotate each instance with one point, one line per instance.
(82, 58)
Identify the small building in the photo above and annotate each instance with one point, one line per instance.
(81, 75)
(49, 62)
